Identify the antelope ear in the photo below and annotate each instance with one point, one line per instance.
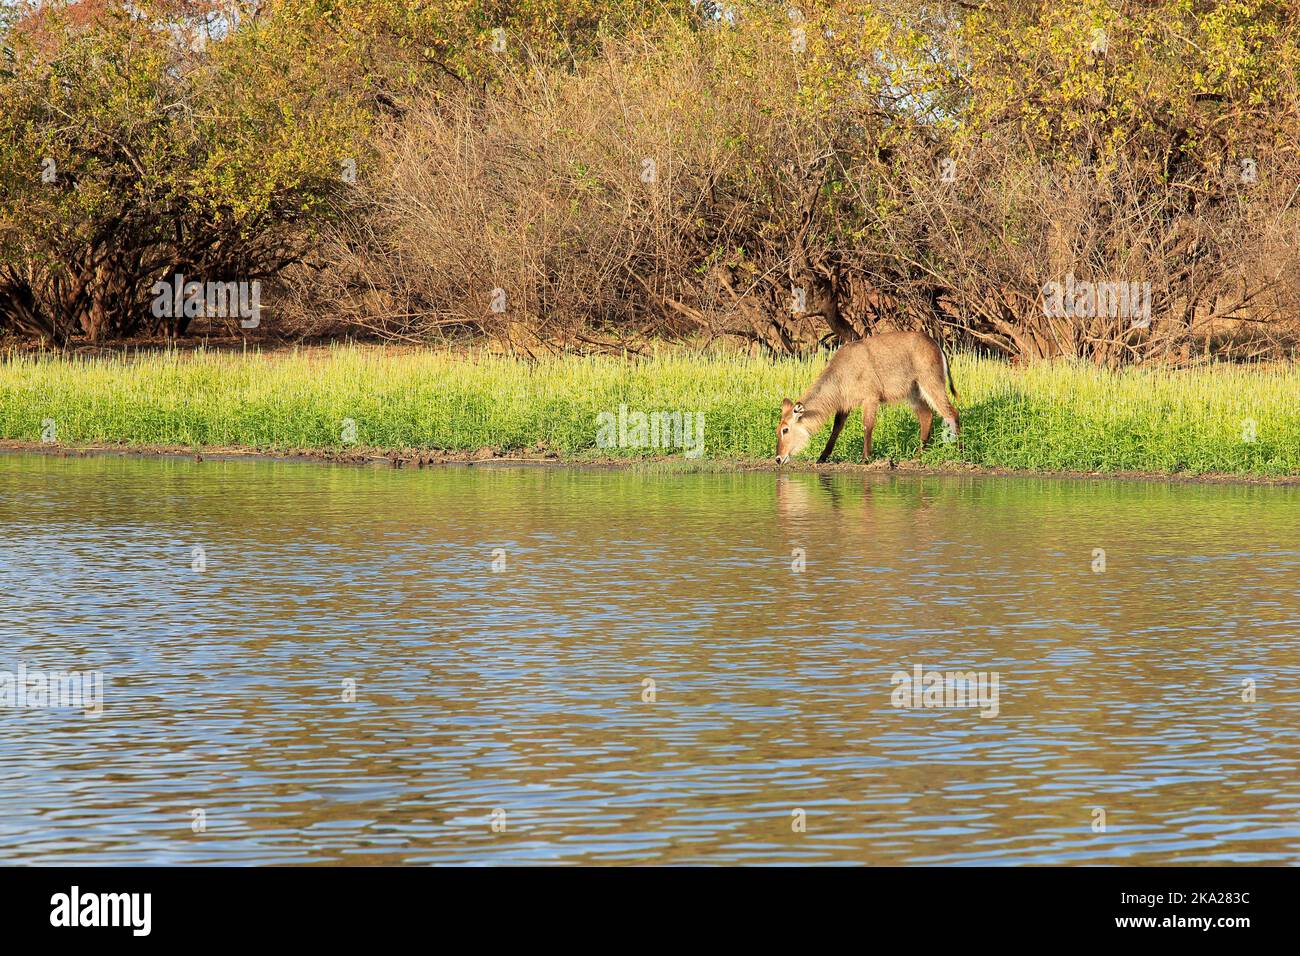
(786, 405)
(798, 410)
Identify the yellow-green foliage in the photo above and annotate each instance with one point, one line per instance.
(129, 153)
(393, 48)
(1234, 419)
(1184, 86)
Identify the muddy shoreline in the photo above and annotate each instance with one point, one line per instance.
(430, 458)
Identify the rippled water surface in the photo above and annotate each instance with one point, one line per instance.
(518, 696)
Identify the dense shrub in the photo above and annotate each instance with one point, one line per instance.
(560, 173)
(873, 164)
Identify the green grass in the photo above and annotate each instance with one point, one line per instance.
(1061, 415)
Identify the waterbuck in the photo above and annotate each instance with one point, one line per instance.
(890, 367)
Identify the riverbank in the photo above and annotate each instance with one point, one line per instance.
(487, 457)
(357, 403)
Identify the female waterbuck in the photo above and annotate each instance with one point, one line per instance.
(891, 367)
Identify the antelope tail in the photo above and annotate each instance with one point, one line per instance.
(947, 375)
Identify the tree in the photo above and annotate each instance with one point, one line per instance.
(142, 141)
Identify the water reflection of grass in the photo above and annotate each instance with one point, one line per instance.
(1236, 419)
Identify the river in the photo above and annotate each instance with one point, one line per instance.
(305, 663)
